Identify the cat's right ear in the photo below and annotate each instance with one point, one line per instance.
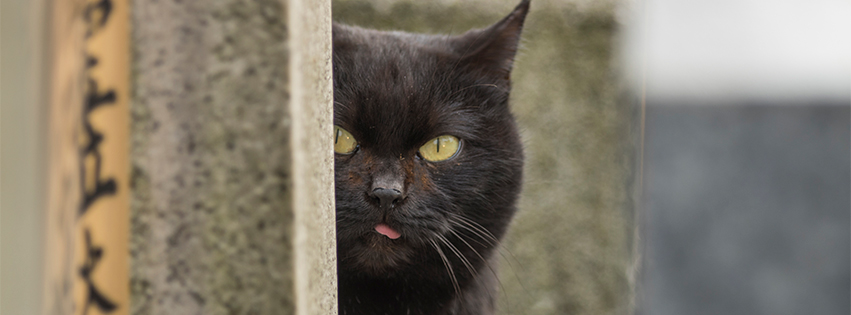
(491, 51)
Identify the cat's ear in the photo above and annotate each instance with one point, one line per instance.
(491, 51)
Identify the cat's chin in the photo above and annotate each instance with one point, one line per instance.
(378, 255)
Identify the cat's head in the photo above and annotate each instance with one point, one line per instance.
(427, 151)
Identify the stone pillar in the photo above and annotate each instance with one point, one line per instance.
(232, 208)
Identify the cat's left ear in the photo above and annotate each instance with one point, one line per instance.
(491, 51)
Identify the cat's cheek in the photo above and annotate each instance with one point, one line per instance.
(354, 179)
(418, 177)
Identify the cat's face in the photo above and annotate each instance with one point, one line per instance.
(427, 151)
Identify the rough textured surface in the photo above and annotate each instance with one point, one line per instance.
(569, 249)
(212, 217)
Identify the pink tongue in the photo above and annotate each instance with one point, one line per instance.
(387, 231)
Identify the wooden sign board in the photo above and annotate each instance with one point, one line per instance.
(88, 193)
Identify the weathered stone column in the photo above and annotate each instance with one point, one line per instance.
(232, 209)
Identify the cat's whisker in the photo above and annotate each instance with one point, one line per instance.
(448, 267)
(487, 233)
(465, 224)
(460, 255)
(475, 231)
(480, 231)
(471, 248)
(486, 262)
(469, 223)
(500, 248)
(483, 229)
(489, 240)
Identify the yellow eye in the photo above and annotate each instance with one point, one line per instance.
(344, 142)
(440, 148)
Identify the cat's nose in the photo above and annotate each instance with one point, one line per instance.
(387, 197)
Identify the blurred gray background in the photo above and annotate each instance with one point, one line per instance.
(747, 209)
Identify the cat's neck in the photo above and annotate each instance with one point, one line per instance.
(370, 295)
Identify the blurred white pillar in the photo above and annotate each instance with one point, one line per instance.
(731, 50)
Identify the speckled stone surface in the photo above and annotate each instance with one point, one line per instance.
(213, 178)
(569, 250)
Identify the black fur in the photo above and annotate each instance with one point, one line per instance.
(394, 91)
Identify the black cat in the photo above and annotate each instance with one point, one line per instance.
(428, 167)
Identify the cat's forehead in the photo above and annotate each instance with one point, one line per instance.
(392, 79)
(371, 56)
(353, 39)
(398, 89)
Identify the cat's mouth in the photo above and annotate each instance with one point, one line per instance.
(380, 250)
(386, 230)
